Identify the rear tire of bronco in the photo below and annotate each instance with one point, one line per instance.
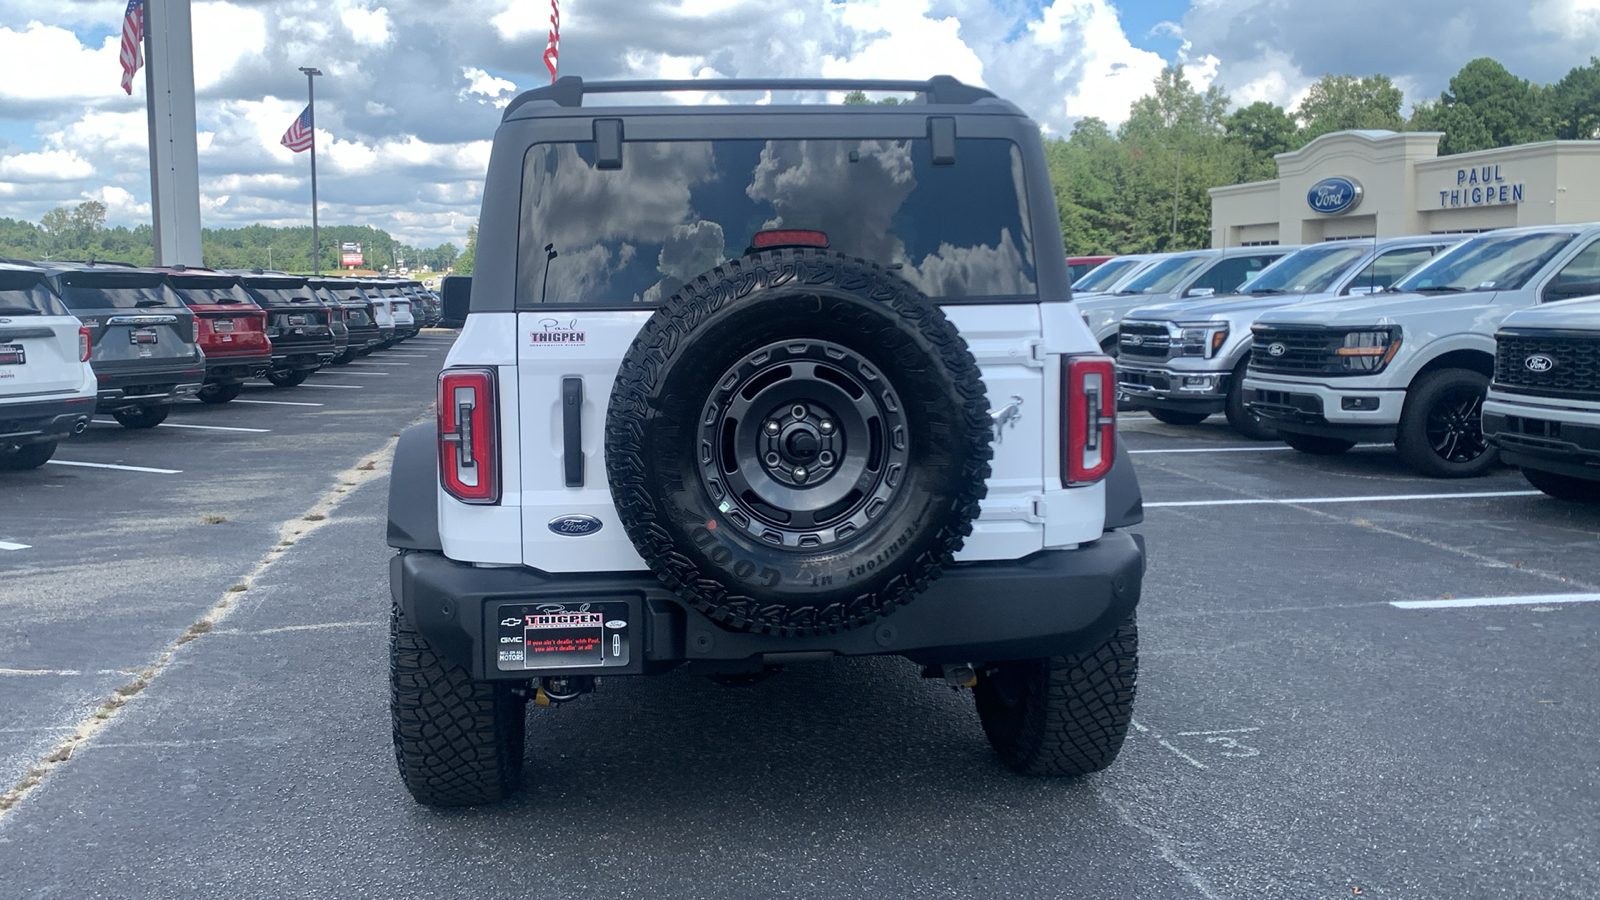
(289, 378)
(1564, 487)
(142, 416)
(1179, 417)
(219, 393)
(1063, 715)
(458, 742)
(797, 442)
(1249, 425)
(1315, 444)
(15, 458)
(1441, 425)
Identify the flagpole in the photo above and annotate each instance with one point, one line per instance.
(311, 104)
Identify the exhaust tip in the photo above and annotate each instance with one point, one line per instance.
(80, 426)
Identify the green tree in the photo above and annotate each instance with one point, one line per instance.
(464, 262)
(1345, 102)
(1175, 108)
(1487, 106)
(1262, 130)
(1575, 103)
(859, 98)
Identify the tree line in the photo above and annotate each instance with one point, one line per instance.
(80, 233)
(1115, 188)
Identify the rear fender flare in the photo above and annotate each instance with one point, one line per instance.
(414, 490)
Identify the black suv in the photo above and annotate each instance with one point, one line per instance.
(359, 320)
(299, 325)
(145, 352)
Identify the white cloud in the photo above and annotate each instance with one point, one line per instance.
(47, 62)
(215, 59)
(489, 88)
(45, 165)
(367, 26)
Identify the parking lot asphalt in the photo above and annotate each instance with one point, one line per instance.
(1303, 729)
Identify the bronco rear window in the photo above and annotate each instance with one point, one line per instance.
(675, 209)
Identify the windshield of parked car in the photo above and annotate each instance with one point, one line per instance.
(1164, 275)
(1309, 271)
(676, 209)
(25, 294)
(1103, 276)
(118, 290)
(1493, 262)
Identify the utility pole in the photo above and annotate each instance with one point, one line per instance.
(174, 157)
(1177, 182)
(311, 104)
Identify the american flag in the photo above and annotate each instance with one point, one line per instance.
(132, 42)
(298, 137)
(552, 49)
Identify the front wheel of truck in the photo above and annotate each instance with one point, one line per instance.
(1062, 715)
(458, 742)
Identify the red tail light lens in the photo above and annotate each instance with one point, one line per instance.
(85, 343)
(1089, 417)
(469, 458)
(195, 338)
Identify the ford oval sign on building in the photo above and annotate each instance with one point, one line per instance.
(1335, 195)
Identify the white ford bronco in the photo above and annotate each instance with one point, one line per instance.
(748, 386)
(1411, 365)
(1543, 408)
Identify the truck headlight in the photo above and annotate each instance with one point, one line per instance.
(1202, 339)
(1368, 351)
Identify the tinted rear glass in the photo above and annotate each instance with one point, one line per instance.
(1104, 275)
(283, 294)
(224, 294)
(677, 209)
(116, 290)
(25, 294)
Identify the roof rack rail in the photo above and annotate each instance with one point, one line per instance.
(570, 90)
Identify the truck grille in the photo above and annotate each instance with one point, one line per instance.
(1551, 364)
(1144, 340)
(1297, 351)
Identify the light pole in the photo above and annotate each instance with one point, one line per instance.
(311, 104)
(269, 257)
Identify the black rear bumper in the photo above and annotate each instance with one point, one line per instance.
(234, 369)
(44, 420)
(1051, 603)
(152, 387)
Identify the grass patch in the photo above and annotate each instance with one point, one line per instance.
(195, 630)
(213, 520)
(367, 466)
(237, 588)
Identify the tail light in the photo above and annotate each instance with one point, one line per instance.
(195, 328)
(85, 343)
(1089, 417)
(469, 460)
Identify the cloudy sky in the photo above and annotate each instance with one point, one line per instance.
(413, 88)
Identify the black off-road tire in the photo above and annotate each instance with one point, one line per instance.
(1249, 425)
(457, 742)
(1564, 487)
(1441, 425)
(1063, 715)
(18, 458)
(288, 377)
(219, 393)
(142, 416)
(709, 372)
(1315, 444)
(1179, 417)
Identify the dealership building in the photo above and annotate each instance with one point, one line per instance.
(1356, 184)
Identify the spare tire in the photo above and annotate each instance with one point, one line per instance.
(797, 442)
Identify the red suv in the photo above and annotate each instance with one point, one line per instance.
(229, 326)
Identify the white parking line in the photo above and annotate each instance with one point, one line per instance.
(1530, 600)
(347, 387)
(385, 363)
(7, 545)
(338, 372)
(277, 402)
(197, 427)
(1297, 501)
(1209, 450)
(89, 465)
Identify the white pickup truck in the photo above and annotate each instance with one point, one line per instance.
(1195, 273)
(1411, 365)
(1543, 408)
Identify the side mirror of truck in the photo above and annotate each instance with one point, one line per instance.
(456, 291)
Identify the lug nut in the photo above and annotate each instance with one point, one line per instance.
(772, 427)
(799, 412)
(825, 458)
(800, 473)
(772, 459)
(826, 427)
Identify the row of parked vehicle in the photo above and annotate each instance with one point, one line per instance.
(79, 338)
(1461, 350)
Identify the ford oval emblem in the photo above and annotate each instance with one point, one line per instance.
(1133, 340)
(1334, 195)
(1276, 349)
(1539, 363)
(575, 525)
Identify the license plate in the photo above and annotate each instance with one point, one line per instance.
(12, 355)
(562, 635)
(221, 325)
(142, 336)
(297, 320)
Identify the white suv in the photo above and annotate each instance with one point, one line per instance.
(744, 387)
(1411, 365)
(1543, 408)
(47, 389)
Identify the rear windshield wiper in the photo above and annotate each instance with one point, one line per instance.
(1441, 289)
(147, 303)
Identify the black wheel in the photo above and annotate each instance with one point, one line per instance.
(1441, 425)
(458, 742)
(15, 458)
(1064, 715)
(344, 359)
(142, 416)
(288, 378)
(219, 393)
(1316, 445)
(1247, 423)
(1564, 487)
(1178, 417)
(797, 442)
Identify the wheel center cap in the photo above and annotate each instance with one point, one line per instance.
(801, 445)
